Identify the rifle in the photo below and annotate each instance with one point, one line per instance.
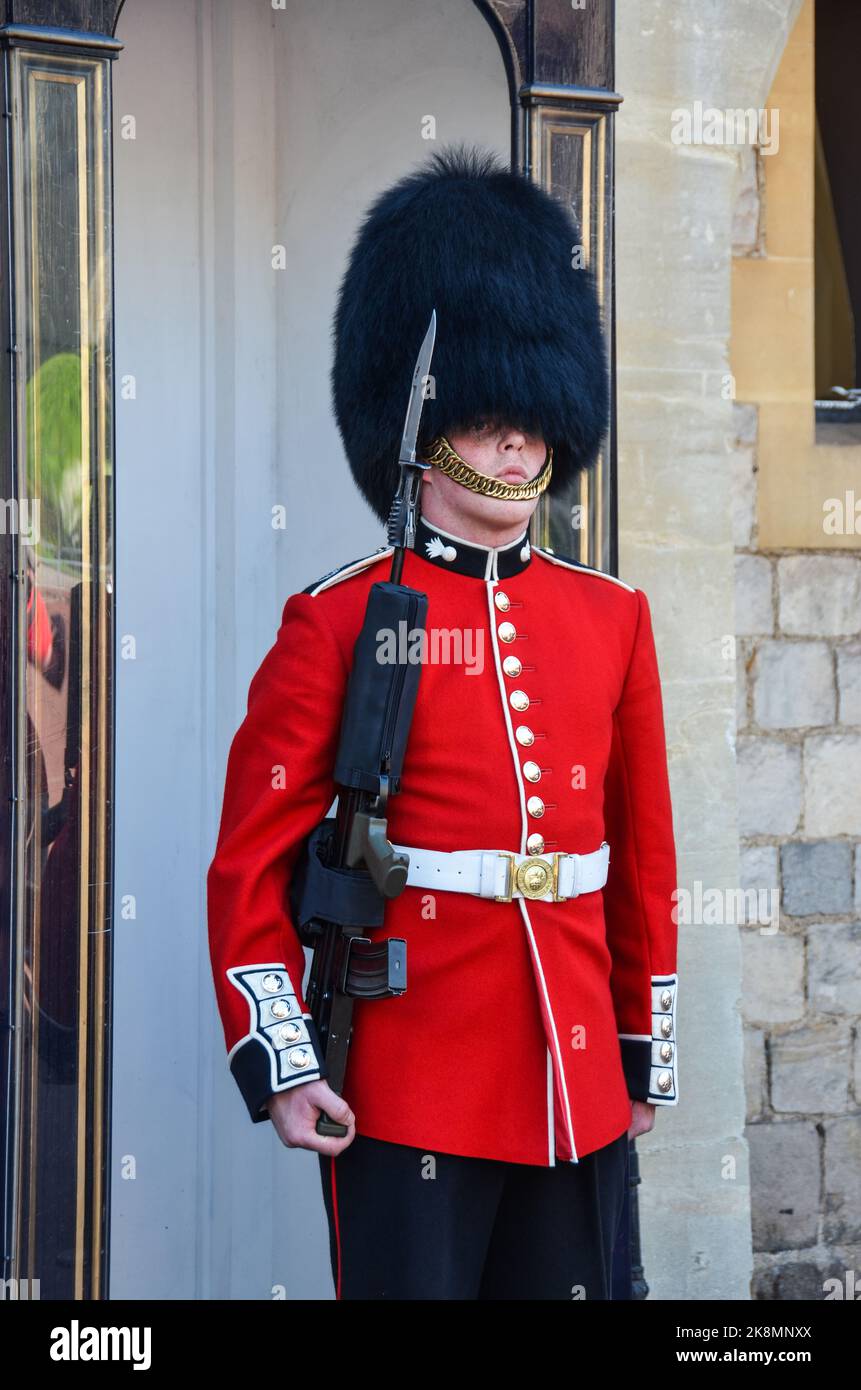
(350, 868)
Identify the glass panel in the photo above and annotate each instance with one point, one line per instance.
(60, 950)
(572, 157)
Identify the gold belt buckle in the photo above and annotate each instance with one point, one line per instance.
(534, 878)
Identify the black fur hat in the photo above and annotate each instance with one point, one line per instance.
(519, 333)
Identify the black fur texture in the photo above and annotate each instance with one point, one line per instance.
(519, 335)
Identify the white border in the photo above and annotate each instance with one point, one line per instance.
(582, 569)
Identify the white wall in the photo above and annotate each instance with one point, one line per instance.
(254, 126)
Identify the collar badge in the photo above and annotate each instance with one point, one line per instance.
(435, 548)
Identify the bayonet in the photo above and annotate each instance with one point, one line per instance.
(403, 516)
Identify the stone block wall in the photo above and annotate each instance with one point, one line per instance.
(798, 629)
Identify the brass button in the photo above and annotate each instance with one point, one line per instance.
(535, 844)
(300, 1058)
(535, 806)
(281, 1008)
(532, 772)
(524, 735)
(666, 1052)
(666, 999)
(519, 700)
(667, 1027)
(502, 601)
(289, 1032)
(665, 1081)
(511, 666)
(507, 632)
(273, 984)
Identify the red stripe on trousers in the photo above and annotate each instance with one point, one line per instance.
(337, 1227)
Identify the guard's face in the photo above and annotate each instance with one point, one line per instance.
(501, 451)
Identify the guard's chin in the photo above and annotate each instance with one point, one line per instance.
(501, 513)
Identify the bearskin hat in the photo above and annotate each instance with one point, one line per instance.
(519, 335)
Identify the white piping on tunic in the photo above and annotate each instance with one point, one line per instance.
(353, 568)
(551, 1127)
(521, 903)
(491, 584)
(582, 569)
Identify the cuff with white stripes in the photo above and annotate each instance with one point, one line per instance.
(282, 1048)
(649, 1062)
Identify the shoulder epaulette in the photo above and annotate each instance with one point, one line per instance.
(567, 563)
(341, 572)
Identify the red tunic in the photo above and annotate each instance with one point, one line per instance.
(526, 1026)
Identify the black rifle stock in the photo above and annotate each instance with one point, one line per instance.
(349, 868)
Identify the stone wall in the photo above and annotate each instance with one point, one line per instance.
(798, 668)
(798, 624)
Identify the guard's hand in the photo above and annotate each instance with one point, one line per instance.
(642, 1118)
(295, 1113)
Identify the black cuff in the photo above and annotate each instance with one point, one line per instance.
(649, 1063)
(637, 1064)
(282, 1048)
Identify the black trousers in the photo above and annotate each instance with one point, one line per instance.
(405, 1223)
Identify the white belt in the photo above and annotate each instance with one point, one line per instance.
(496, 873)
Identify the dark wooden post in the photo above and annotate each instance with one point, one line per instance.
(560, 65)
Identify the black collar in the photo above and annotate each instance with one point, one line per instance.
(449, 552)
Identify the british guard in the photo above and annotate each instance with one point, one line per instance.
(486, 1109)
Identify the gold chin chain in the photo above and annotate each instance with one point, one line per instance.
(443, 456)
